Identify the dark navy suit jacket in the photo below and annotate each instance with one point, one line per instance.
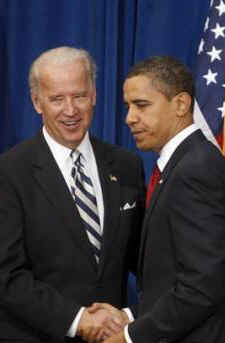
(182, 254)
(47, 268)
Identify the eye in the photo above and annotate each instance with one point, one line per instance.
(142, 105)
(80, 98)
(56, 99)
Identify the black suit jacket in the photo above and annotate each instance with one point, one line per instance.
(182, 254)
(47, 268)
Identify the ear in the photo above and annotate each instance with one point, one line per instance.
(93, 96)
(182, 102)
(36, 102)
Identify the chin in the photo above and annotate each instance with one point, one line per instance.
(75, 139)
(140, 146)
(143, 147)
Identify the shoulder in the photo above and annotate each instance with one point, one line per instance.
(116, 152)
(20, 154)
(120, 161)
(204, 153)
(204, 162)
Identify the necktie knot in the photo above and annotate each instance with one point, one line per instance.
(78, 162)
(76, 157)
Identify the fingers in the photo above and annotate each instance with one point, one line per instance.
(118, 316)
(114, 325)
(92, 335)
(95, 307)
(101, 336)
(96, 335)
(101, 321)
(119, 338)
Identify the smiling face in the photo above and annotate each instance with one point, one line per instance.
(65, 99)
(152, 117)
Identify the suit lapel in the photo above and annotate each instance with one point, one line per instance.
(50, 179)
(195, 138)
(110, 184)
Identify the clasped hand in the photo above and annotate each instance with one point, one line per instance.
(101, 321)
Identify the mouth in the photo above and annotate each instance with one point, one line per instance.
(71, 123)
(136, 133)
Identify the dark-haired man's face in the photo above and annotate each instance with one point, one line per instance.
(151, 116)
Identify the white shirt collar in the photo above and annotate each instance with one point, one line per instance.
(173, 143)
(85, 148)
(61, 153)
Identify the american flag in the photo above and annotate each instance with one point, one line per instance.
(210, 75)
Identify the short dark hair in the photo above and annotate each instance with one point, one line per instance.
(168, 75)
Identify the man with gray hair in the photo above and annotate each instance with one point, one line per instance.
(70, 212)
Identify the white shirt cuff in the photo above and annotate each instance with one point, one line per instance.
(73, 328)
(126, 334)
(129, 314)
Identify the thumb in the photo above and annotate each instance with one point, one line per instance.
(94, 307)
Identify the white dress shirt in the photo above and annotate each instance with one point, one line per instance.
(162, 161)
(171, 146)
(62, 157)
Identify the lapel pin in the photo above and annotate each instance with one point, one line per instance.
(112, 177)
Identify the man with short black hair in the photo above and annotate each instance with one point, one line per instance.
(181, 271)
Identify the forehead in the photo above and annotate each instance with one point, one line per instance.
(60, 73)
(139, 86)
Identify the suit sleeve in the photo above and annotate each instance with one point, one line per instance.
(196, 217)
(29, 301)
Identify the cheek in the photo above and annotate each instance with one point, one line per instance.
(50, 115)
(88, 113)
(155, 119)
(150, 123)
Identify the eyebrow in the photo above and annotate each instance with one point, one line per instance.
(138, 101)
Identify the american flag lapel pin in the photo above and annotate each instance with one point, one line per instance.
(113, 178)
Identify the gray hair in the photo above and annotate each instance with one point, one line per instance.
(60, 55)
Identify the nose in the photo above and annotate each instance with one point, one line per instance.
(131, 116)
(69, 107)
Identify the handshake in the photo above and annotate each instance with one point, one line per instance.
(102, 322)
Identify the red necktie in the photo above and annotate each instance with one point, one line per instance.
(154, 179)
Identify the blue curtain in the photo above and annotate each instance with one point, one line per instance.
(118, 33)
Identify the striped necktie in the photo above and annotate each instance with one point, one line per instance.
(84, 196)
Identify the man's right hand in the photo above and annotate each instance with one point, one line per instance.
(91, 325)
(100, 321)
(114, 323)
